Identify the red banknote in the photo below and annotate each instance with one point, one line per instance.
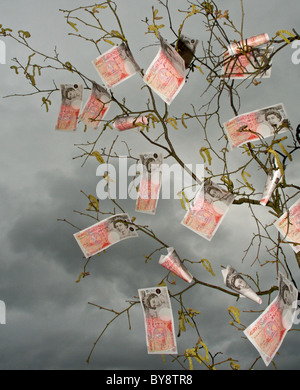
(71, 102)
(158, 318)
(166, 73)
(150, 183)
(96, 107)
(105, 233)
(116, 65)
(208, 209)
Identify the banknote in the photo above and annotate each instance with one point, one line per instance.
(159, 323)
(186, 48)
(274, 177)
(71, 102)
(105, 233)
(150, 182)
(237, 283)
(173, 263)
(243, 66)
(268, 331)
(289, 226)
(248, 44)
(129, 122)
(166, 74)
(116, 65)
(258, 124)
(96, 107)
(207, 210)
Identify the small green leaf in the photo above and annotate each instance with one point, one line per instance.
(73, 25)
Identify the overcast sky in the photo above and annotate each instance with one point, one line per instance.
(50, 324)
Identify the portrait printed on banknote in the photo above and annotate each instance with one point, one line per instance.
(103, 234)
(237, 283)
(120, 228)
(186, 48)
(208, 209)
(287, 298)
(155, 302)
(71, 102)
(257, 125)
(71, 95)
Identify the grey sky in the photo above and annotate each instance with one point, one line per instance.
(50, 324)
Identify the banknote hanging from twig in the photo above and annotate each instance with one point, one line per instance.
(257, 62)
(150, 182)
(166, 73)
(256, 125)
(237, 283)
(105, 233)
(116, 65)
(268, 331)
(172, 262)
(248, 44)
(186, 48)
(274, 177)
(289, 226)
(208, 210)
(129, 122)
(96, 107)
(159, 322)
(71, 102)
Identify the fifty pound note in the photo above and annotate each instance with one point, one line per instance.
(129, 122)
(103, 234)
(186, 48)
(236, 282)
(247, 65)
(150, 183)
(116, 65)
(289, 226)
(166, 73)
(248, 44)
(71, 102)
(173, 263)
(96, 107)
(208, 209)
(268, 331)
(159, 323)
(258, 124)
(274, 177)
